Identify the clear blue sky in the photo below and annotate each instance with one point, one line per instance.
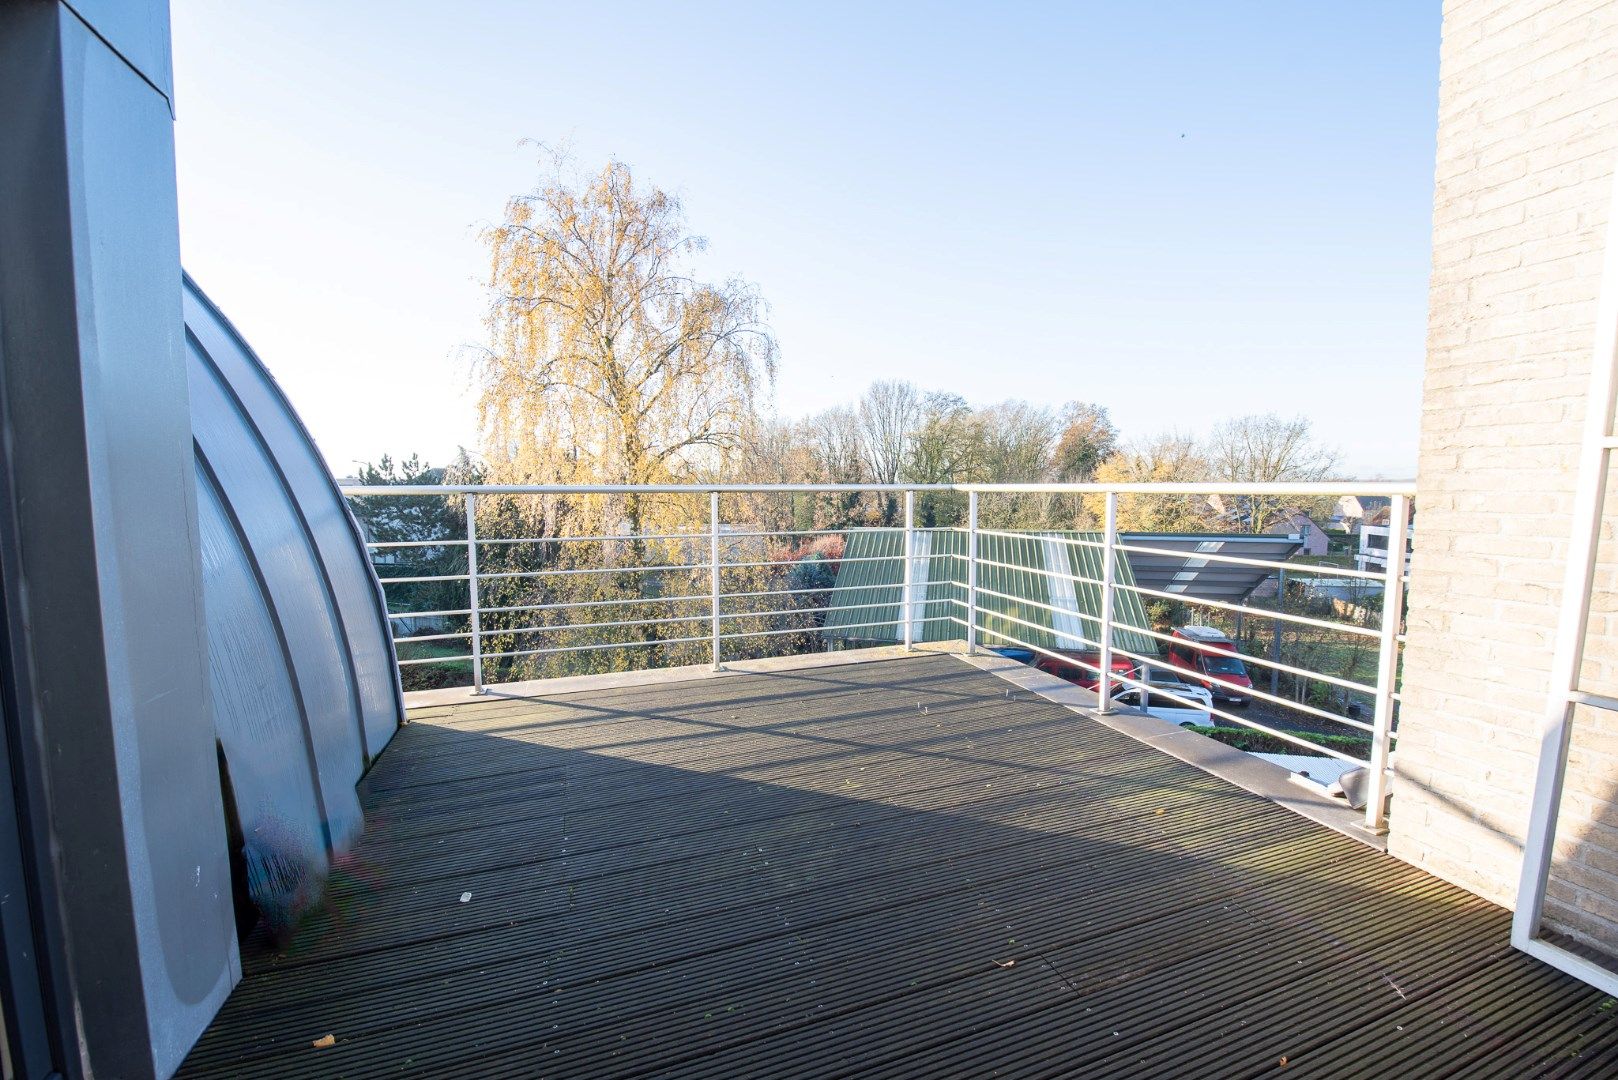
(1182, 211)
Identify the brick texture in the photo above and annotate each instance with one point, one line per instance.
(1527, 138)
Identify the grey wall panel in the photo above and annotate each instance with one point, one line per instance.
(102, 552)
(295, 588)
(115, 740)
(362, 621)
(151, 599)
(260, 723)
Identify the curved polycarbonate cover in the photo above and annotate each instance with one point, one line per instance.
(305, 687)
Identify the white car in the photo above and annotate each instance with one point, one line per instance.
(1173, 709)
(1169, 680)
(1170, 684)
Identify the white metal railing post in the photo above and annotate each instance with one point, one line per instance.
(971, 572)
(1109, 574)
(472, 591)
(908, 607)
(1387, 667)
(713, 575)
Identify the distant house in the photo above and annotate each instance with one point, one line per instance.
(1356, 510)
(1224, 508)
(1373, 550)
(1295, 522)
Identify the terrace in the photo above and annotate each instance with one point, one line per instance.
(911, 859)
(753, 793)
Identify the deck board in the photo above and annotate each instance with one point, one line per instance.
(877, 869)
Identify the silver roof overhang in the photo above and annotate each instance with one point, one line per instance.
(1186, 569)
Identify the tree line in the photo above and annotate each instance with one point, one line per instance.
(609, 359)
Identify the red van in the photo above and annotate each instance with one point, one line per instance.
(1074, 672)
(1224, 675)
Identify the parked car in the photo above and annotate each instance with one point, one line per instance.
(1166, 708)
(1081, 667)
(1169, 680)
(1213, 665)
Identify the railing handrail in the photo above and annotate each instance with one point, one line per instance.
(979, 621)
(1377, 488)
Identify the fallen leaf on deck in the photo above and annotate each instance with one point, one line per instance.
(325, 1041)
(466, 898)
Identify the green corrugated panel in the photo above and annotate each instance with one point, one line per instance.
(864, 591)
(1022, 579)
(946, 587)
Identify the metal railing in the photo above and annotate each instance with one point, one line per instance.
(1098, 631)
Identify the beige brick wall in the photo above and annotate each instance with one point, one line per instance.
(1527, 137)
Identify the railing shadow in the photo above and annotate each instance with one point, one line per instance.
(811, 872)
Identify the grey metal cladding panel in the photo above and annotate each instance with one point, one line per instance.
(342, 556)
(259, 723)
(139, 31)
(296, 591)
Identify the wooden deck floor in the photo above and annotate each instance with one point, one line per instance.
(882, 869)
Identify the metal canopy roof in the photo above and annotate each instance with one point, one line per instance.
(865, 601)
(1021, 578)
(1188, 572)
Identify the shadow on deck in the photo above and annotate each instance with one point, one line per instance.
(881, 869)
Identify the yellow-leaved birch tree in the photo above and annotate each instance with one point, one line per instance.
(609, 360)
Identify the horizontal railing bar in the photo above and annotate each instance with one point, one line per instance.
(587, 648)
(489, 576)
(428, 614)
(1267, 564)
(595, 603)
(664, 641)
(1327, 571)
(626, 537)
(1263, 613)
(1212, 711)
(1324, 714)
(448, 542)
(594, 626)
(794, 562)
(812, 610)
(1092, 643)
(702, 534)
(822, 588)
(1087, 618)
(1335, 487)
(1080, 615)
(1347, 684)
(837, 532)
(703, 597)
(1036, 570)
(659, 621)
(432, 637)
(1594, 701)
(418, 580)
(1064, 634)
(676, 599)
(818, 629)
(1030, 534)
(436, 660)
